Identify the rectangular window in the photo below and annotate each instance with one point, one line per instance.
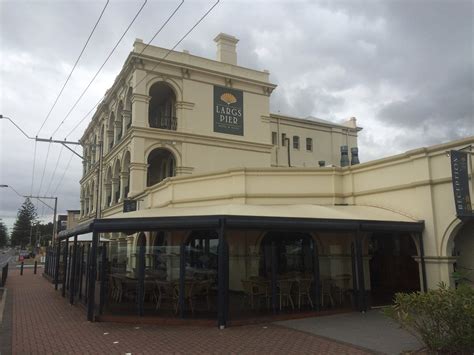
(283, 139)
(309, 144)
(274, 138)
(296, 142)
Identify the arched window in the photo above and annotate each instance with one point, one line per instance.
(119, 123)
(161, 110)
(126, 171)
(111, 130)
(128, 109)
(161, 164)
(108, 187)
(116, 183)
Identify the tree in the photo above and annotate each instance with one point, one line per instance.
(3, 235)
(22, 229)
(42, 233)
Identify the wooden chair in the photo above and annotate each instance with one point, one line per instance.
(255, 290)
(165, 291)
(188, 294)
(326, 291)
(112, 289)
(201, 290)
(284, 292)
(304, 290)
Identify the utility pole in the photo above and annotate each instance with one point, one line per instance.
(66, 144)
(40, 199)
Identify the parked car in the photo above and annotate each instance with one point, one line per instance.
(24, 253)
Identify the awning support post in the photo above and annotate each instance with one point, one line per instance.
(103, 277)
(72, 279)
(65, 261)
(182, 276)
(316, 278)
(222, 278)
(141, 279)
(81, 270)
(88, 261)
(56, 264)
(423, 265)
(274, 260)
(92, 276)
(362, 301)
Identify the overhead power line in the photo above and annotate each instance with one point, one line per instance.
(146, 46)
(54, 171)
(159, 62)
(98, 71)
(73, 68)
(33, 170)
(44, 168)
(154, 36)
(64, 173)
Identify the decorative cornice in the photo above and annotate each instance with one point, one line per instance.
(184, 105)
(140, 98)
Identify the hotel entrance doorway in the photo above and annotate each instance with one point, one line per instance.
(392, 267)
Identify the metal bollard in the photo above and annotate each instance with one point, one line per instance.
(36, 265)
(21, 268)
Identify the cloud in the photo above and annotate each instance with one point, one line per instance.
(403, 68)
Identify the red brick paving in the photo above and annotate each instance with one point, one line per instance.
(45, 323)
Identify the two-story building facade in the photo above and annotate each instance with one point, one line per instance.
(209, 205)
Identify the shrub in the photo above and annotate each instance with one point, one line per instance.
(443, 318)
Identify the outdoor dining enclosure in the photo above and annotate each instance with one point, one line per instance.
(214, 267)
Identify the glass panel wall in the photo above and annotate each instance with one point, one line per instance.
(118, 274)
(269, 273)
(249, 286)
(337, 265)
(141, 277)
(200, 284)
(83, 274)
(162, 270)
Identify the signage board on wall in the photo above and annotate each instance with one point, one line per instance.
(129, 205)
(228, 111)
(459, 171)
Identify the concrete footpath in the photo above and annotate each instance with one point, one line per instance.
(371, 330)
(42, 322)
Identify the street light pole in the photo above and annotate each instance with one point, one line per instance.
(55, 224)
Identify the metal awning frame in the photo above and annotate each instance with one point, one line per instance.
(130, 225)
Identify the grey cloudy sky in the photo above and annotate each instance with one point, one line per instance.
(404, 68)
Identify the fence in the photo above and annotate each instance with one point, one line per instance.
(50, 263)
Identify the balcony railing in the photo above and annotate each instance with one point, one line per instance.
(164, 122)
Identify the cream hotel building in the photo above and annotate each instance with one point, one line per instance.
(197, 202)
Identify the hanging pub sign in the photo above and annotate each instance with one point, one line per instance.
(459, 171)
(129, 205)
(228, 111)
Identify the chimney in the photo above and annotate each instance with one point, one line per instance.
(344, 156)
(355, 156)
(226, 48)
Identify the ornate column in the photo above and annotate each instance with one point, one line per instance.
(126, 121)
(123, 184)
(86, 211)
(140, 110)
(107, 193)
(130, 252)
(82, 208)
(117, 130)
(110, 140)
(137, 178)
(115, 186)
